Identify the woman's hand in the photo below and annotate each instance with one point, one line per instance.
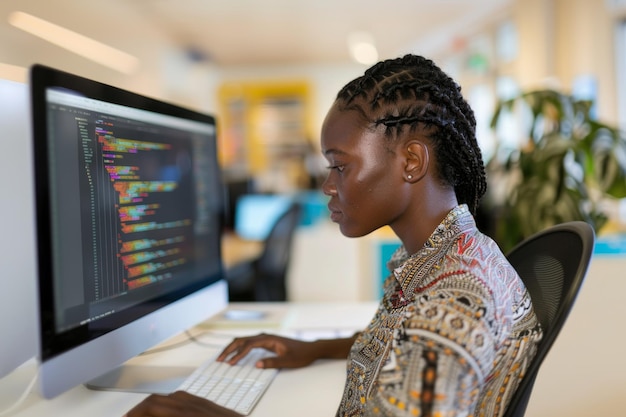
(290, 353)
(179, 404)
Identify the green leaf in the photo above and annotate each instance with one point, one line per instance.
(571, 163)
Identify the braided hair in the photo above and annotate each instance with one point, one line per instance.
(413, 93)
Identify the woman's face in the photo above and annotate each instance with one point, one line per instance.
(365, 179)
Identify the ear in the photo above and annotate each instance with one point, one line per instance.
(417, 161)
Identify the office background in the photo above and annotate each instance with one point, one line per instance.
(184, 50)
(492, 47)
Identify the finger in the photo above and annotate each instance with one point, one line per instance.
(279, 362)
(228, 350)
(236, 351)
(268, 363)
(237, 355)
(233, 347)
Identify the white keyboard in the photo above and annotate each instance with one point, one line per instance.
(238, 387)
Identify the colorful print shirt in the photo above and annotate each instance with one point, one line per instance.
(452, 336)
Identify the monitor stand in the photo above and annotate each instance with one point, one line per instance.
(144, 379)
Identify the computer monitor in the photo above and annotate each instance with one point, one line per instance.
(256, 214)
(17, 223)
(235, 188)
(129, 204)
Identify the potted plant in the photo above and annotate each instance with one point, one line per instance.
(569, 168)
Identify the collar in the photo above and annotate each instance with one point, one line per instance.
(413, 271)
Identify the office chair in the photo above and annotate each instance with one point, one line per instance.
(552, 264)
(264, 278)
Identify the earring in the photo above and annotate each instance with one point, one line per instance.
(410, 176)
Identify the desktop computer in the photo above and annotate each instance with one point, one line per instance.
(17, 245)
(129, 204)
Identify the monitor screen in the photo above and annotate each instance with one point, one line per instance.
(256, 214)
(129, 204)
(17, 246)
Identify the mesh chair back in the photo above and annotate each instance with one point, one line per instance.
(552, 264)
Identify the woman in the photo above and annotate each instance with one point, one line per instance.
(455, 328)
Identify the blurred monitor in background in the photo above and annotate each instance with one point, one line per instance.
(235, 188)
(255, 214)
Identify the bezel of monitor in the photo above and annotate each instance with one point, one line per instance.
(119, 336)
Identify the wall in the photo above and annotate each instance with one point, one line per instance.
(584, 38)
(563, 40)
(535, 24)
(327, 266)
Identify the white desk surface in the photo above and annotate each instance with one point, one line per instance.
(312, 391)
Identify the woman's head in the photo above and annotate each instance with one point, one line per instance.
(413, 94)
(386, 129)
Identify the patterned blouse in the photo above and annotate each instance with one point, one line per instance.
(453, 333)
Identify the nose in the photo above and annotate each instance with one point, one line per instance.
(328, 187)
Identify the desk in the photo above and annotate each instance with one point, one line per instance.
(314, 391)
(236, 250)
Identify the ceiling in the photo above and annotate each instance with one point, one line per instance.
(249, 32)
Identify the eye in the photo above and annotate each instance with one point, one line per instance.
(339, 168)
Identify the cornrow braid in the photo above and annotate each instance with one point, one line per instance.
(412, 92)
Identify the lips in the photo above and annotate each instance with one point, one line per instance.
(335, 214)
